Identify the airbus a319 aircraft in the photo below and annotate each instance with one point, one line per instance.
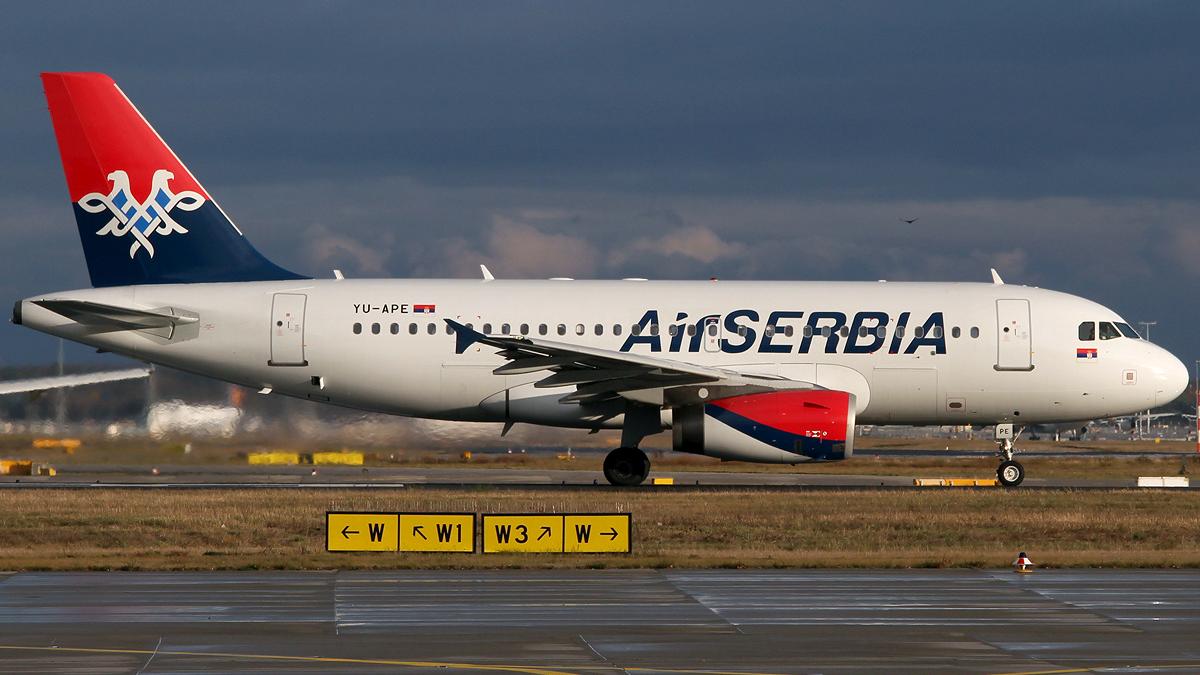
(751, 371)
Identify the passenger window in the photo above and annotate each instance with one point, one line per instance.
(974, 331)
(712, 328)
(1128, 332)
(899, 331)
(470, 326)
(524, 329)
(826, 332)
(599, 329)
(505, 329)
(742, 331)
(769, 330)
(562, 329)
(654, 329)
(487, 329)
(1087, 331)
(432, 329)
(672, 330)
(579, 329)
(808, 331)
(955, 332)
(636, 329)
(412, 329)
(375, 329)
(880, 331)
(542, 328)
(789, 331)
(449, 330)
(919, 332)
(937, 332)
(395, 329)
(358, 329)
(862, 331)
(844, 331)
(1108, 331)
(616, 329)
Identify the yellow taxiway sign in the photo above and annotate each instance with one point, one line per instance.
(528, 533)
(361, 531)
(597, 533)
(433, 532)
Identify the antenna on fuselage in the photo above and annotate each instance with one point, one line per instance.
(487, 274)
(996, 277)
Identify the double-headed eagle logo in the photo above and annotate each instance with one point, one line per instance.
(141, 219)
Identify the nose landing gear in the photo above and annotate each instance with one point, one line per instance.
(1010, 473)
(626, 467)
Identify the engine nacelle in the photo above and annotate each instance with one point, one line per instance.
(783, 427)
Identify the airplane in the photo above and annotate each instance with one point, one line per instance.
(738, 370)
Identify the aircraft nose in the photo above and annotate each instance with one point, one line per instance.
(1170, 377)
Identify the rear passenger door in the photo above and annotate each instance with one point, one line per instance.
(1014, 346)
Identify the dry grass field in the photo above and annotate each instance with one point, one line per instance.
(284, 529)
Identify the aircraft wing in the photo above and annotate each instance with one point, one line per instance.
(113, 317)
(603, 374)
(57, 381)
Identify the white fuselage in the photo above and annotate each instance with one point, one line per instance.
(989, 353)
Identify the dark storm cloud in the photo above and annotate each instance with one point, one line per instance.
(764, 140)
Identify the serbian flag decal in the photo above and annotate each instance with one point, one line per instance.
(1086, 353)
(424, 309)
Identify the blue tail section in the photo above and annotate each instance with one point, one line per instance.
(143, 217)
(207, 248)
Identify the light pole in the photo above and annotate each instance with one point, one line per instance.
(1146, 334)
(1146, 328)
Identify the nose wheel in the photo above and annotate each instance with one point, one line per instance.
(626, 467)
(1010, 473)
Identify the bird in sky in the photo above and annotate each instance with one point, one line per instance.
(910, 221)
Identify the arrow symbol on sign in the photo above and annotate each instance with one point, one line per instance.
(611, 534)
(417, 531)
(545, 532)
(346, 532)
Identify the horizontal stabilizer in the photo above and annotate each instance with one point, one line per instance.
(58, 381)
(111, 316)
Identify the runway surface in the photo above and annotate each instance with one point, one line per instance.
(602, 621)
(334, 476)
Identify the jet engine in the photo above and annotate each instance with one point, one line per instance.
(782, 427)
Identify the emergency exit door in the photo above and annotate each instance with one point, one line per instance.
(712, 334)
(287, 330)
(1014, 349)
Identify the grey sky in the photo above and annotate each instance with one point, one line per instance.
(1054, 141)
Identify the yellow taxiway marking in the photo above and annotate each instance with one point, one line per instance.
(1113, 669)
(532, 670)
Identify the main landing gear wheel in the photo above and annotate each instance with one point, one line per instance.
(1010, 473)
(626, 467)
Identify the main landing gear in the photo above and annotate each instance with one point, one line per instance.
(1010, 473)
(626, 467)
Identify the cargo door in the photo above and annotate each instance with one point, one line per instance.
(287, 330)
(1014, 348)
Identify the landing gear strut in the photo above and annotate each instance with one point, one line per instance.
(626, 467)
(1010, 473)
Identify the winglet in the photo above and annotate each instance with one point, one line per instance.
(463, 337)
(487, 274)
(996, 278)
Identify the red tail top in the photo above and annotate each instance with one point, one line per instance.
(99, 132)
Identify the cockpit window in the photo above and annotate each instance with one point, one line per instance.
(1108, 331)
(1087, 331)
(1128, 332)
